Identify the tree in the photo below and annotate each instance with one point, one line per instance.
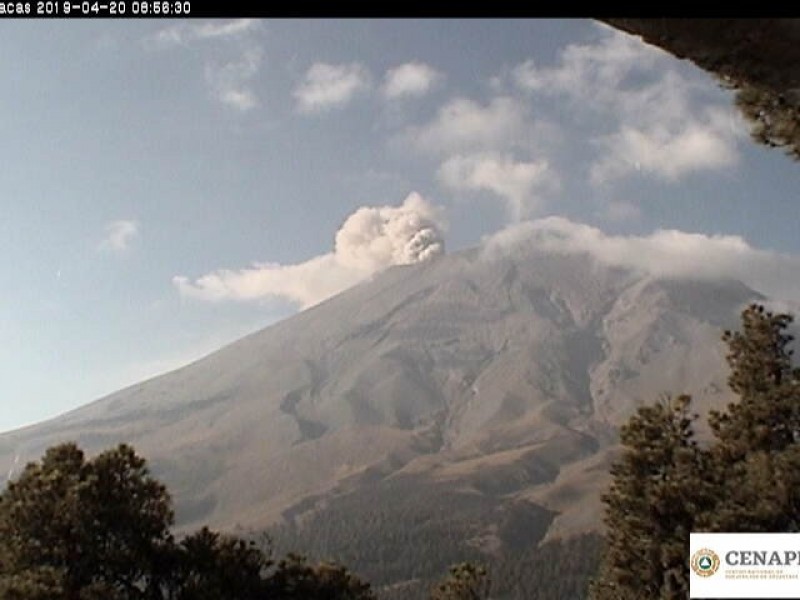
(207, 565)
(766, 416)
(466, 581)
(755, 456)
(656, 492)
(295, 579)
(99, 529)
(72, 528)
(748, 479)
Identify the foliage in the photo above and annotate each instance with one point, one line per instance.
(466, 581)
(748, 479)
(756, 457)
(207, 565)
(555, 570)
(774, 119)
(99, 529)
(72, 528)
(403, 535)
(295, 579)
(400, 529)
(650, 507)
(767, 414)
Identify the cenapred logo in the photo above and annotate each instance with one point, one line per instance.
(705, 562)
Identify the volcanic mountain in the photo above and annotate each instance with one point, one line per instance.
(478, 394)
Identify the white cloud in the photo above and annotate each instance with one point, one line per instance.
(327, 86)
(411, 79)
(120, 235)
(489, 148)
(521, 184)
(652, 119)
(184, 33)
(600, 71)
(665, 253)
(668, 155)
(215, 30)
(371, 239)
(230, 82)
(463, 125)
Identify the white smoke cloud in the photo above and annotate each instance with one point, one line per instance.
(374, 238)
(370, 239)
(665, 253)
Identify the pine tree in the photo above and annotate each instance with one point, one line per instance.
(656, 490)
(748, 479)
(766, 416)
(755, 456)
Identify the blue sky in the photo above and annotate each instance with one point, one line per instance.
(168, 186)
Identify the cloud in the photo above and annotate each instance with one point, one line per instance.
(412, 79)
(664, 253)
(120, 235)
(601, 70)
(653, 121)
(463, 125)
(490, 148)
(519, 183)
(666, 154)
(230, 82)
(371, 239)
(306, 283)
(184, 33)
(327, 86)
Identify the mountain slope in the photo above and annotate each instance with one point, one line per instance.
(484, 386)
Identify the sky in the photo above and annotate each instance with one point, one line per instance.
(170, 186)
